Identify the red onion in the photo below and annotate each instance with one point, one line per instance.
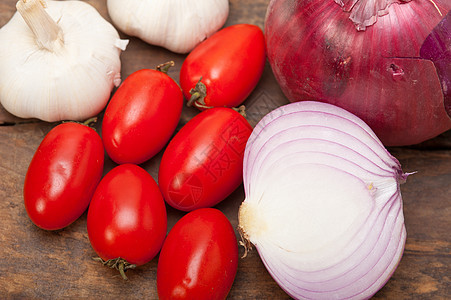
(323, 205)
(388, 62)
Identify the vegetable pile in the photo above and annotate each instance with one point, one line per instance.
(127, 218)
(322, 202)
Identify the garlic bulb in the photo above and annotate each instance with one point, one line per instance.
(177, 25)
(59, 60)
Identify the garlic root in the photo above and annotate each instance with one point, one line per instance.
(48, 34)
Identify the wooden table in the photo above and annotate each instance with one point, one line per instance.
(51, 265)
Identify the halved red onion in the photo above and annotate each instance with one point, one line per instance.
(386, 61)
(323, 205)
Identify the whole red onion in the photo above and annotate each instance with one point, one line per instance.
(386, 61)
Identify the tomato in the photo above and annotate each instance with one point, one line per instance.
(199, 258)
(62, 175)
(141, 116)
(127, 216)
(229, 64)
(203, 163)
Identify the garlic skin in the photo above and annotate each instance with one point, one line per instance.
(177, 25)
(59, 68)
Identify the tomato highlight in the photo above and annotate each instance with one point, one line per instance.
(141, 116)
(63, 175)
(127, 217)
(224, 69)
(203, 163)
(199, 258)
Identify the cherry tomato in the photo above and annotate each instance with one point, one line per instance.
(225, 68)
(203, 163)
(199, 258)
(127, 216)
(62, 175)
(141, 116)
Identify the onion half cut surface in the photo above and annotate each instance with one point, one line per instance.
(323, 204)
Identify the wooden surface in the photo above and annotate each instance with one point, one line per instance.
(51, 265)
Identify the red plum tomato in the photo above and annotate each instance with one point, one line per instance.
(141, 116)
(225, 68)
(63, 175)
(203, 163)
(127, 216)
(199, 258)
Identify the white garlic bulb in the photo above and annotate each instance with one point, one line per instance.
(177, 25)
(59, 60)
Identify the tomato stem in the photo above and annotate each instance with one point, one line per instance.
(122, 270)
(164, 68)
(198, 94)
(119, 264)
(241, 109)
(89, 121)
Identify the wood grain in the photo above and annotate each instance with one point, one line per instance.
(37, 264)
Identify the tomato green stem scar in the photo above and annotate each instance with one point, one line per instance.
(90, 121)
(165, 66)
(119, 264)
(198, 94)
(241, 110)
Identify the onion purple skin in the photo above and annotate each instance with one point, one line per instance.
(437, 48)
(395, 75)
